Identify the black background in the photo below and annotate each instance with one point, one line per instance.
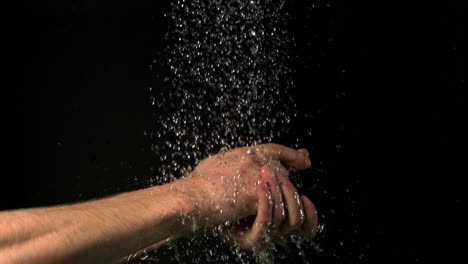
(388, 91)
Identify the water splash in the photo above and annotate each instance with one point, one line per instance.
(229, 79)
(228, 85)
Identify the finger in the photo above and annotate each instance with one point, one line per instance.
(304, 151)
(263, 220)
(288, 156)
(277, 167)
(310, 226)
(293, 204)
(278, 210)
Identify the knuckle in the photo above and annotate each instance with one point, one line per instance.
(276, 191)
(283, 171)
(274, 146)
(249, 160)
(270, 146)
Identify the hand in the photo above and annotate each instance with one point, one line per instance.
(275, 218)
(223, 186)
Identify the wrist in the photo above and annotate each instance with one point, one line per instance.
(193, 205)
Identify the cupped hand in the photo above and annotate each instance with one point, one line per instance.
(225, 186)
(281, 212)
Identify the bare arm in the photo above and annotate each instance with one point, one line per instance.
(103, 231)
(221, 188)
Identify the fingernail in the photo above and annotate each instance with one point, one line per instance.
(308, 162)
(304, 151)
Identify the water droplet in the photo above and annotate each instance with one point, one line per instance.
(228, 86)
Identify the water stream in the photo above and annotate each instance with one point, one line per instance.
(226, 82)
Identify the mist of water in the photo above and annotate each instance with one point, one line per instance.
(228, 84)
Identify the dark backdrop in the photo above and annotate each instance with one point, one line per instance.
(384, 83)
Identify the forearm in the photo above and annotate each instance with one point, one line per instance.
(100, 231)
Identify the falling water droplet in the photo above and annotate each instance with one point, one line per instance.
(228, 86)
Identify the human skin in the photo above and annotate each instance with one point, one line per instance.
(228, 186)
(280, 212)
